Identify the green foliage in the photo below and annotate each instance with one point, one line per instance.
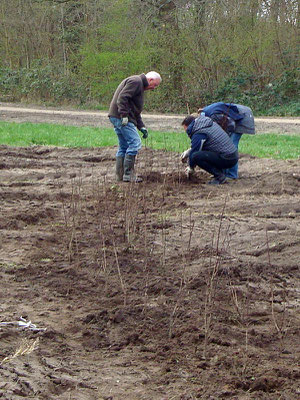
(289, 109)
(101, 72)
(79, 51)
(45, 83)
(9, 83)
(265, 94)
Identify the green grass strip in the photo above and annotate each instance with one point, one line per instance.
(28, 134)
(281, 147)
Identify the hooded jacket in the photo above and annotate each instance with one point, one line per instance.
(242, 115)
(247, 124)
(128, 99)
(207, 135)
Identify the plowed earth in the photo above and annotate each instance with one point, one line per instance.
(168, 289)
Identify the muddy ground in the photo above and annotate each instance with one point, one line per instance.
(165, 290)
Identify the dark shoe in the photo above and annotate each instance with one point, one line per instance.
(218, 180)
(230, 179)
(230, 176)
(119, 168)
(129, 175)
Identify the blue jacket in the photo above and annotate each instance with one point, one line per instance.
(242, 115)
(224, 108)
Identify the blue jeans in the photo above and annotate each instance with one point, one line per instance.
(129, 139)
(233, 171)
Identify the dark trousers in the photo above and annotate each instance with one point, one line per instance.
(214, 163)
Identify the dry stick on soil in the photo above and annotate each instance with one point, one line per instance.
(178, 301)
(119, 272)
(146, 242)
(179, 171)
(135, 208)
(66, 219)
(243, 319)
(163, 239)
(26, 347)
(128, 211)
(73, 237)
(192, 224)
(114, 243)
(104, 257)
(211, 285)
(279, 328)
(173, 313)
(149, 161)
(164, 231)
(183, 280)
(78, 188)
(164, 189)
(82, 193)
(64, 208)
(181, 223)
(99, 214)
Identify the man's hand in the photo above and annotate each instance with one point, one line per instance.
(124, 121)
(184, 156)
(189, 172)
(144, 132)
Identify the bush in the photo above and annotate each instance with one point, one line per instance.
(9, 84)
(40, 84)
(102, 72)
(96, 75)
(264, 94)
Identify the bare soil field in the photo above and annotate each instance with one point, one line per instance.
(165, 290)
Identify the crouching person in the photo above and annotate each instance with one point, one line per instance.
(236, 119)
(211, 148)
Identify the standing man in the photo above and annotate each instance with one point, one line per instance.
(125, 115)
(211, 148)
(239, 120)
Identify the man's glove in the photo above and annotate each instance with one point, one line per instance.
(144, 132)
(124, 121)
(189, 172)
(184, 156)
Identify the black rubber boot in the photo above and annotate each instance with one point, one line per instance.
(218, 180)
(119, 168)
(129, 175)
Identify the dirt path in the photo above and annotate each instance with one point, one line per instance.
(19, 113)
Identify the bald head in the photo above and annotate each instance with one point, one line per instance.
(153, 79)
